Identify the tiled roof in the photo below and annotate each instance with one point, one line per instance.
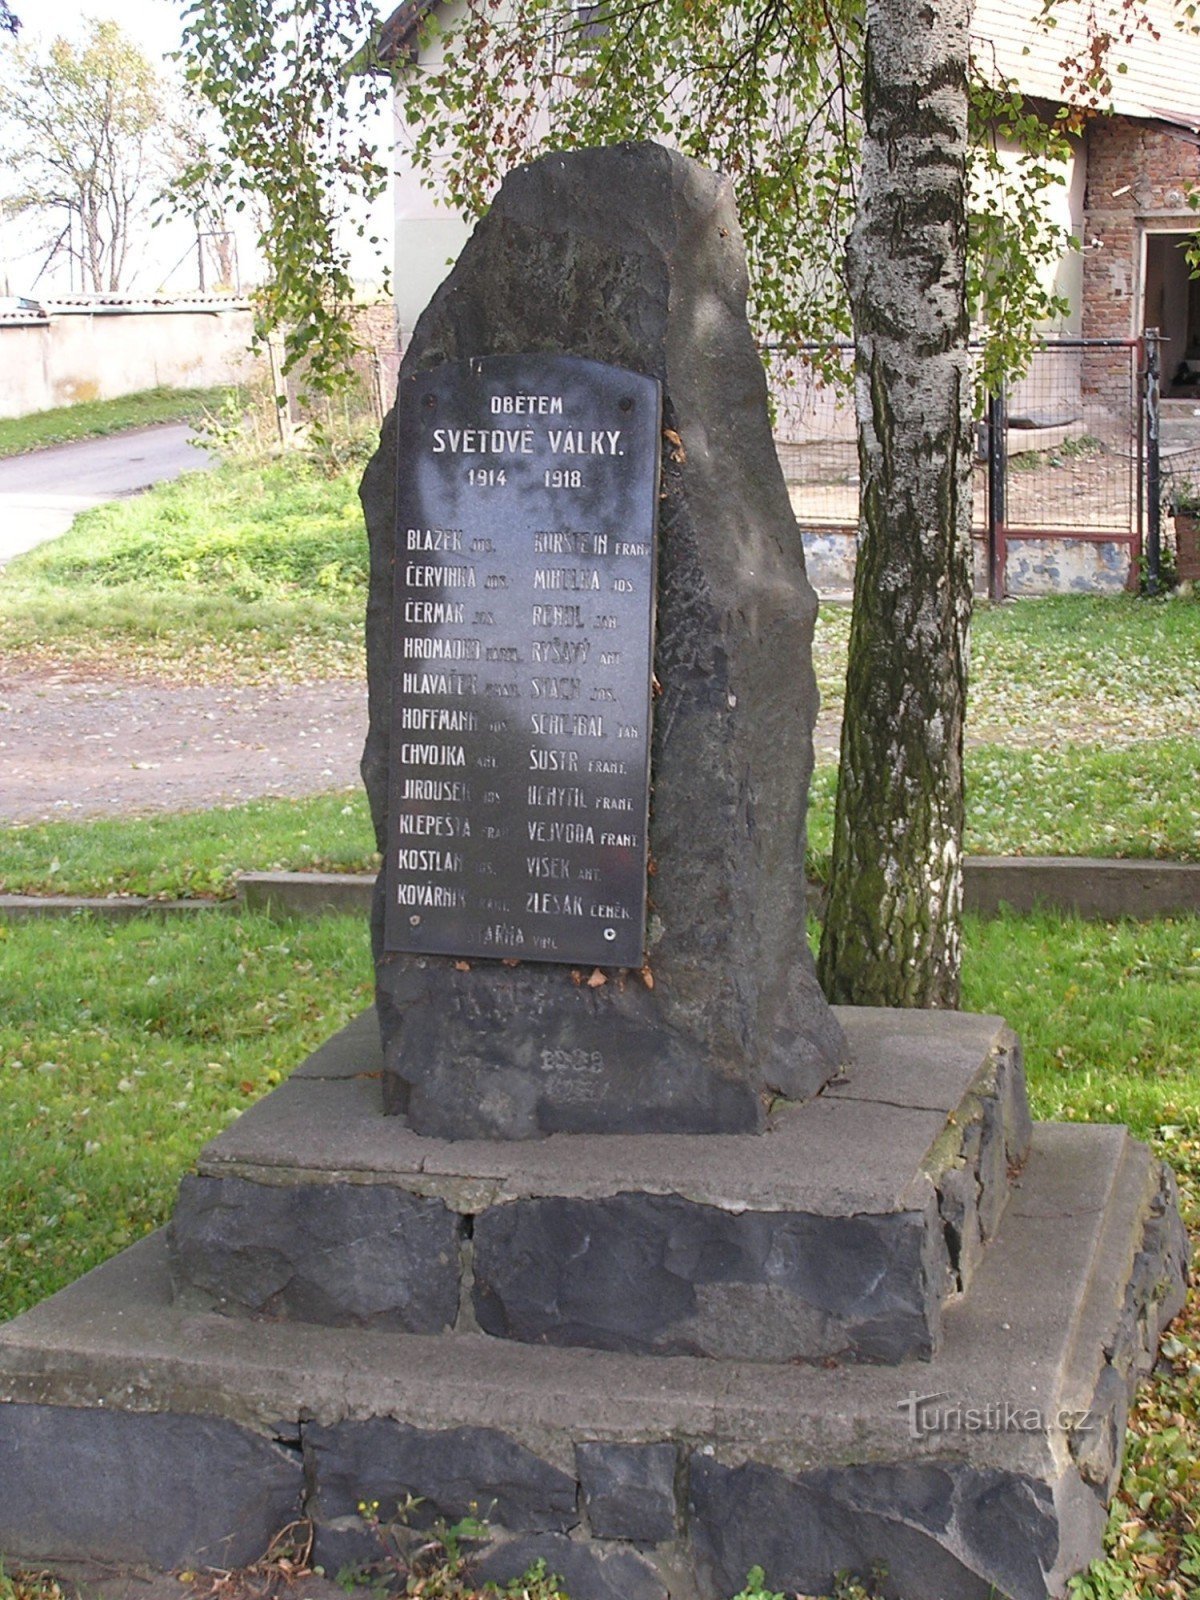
(42, 308)
(1162, 77)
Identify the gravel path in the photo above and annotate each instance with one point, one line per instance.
(80, 746)
(76, 746)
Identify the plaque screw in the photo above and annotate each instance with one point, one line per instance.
(610, 934)
(627, 404)
(413, 922)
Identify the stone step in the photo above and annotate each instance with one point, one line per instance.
(137, 1430)
(840, 1233)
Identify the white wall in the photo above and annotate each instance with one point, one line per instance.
(101, 353)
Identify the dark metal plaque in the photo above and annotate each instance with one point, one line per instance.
(527, 502)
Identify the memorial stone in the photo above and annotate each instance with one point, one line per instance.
(563, 966)
(650, 1363)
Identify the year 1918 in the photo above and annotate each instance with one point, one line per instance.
(563, 478)
(486, 478)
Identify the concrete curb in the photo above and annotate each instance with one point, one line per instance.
(1092, 887)
(1089, 886)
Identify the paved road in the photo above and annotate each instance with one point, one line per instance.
(42, 493)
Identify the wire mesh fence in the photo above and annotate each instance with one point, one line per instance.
(1059, 457)
(1071, 442)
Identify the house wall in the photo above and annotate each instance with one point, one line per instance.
(429, 234)
(100, 353)
(1139, 176)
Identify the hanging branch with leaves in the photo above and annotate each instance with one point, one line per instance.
(286, 80)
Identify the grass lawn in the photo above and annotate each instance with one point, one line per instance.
(95, 419)
(1131, 801)
(125, 1047)
(190, 854)
(1067, 669)
(249, 572)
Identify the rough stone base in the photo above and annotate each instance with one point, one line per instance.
(841, 1232)
(145, 1432)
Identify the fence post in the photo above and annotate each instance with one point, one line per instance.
(377, 384)
(1151, 385)
(283, 421)
(997, 473)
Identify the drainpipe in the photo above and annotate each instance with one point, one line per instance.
(997, 515)
(1150, 397)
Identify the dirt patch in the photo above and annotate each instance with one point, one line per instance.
(73, 746)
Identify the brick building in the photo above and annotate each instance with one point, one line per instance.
(1136, 167)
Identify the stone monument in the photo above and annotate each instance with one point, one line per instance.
(657, 1262)
(555, 463)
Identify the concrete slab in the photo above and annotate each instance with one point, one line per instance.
(837, 1233)
(306, 894)
(861, 1147)
(15, 907)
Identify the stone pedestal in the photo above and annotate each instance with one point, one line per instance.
(899, 1327)
(841, 1232)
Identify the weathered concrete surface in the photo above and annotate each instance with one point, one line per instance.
(305, 894)
(16, 907)
(911, 1071)
(1093, 886)
(772, 1247)
(806, 1469)
(1033, 567)
(633, 256)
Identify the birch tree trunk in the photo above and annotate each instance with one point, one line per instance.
(892, 930)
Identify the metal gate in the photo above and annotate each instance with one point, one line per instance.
(1064, 491)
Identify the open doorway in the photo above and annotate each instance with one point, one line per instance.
(1172, 305)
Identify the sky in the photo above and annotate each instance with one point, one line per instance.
(166, 258)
